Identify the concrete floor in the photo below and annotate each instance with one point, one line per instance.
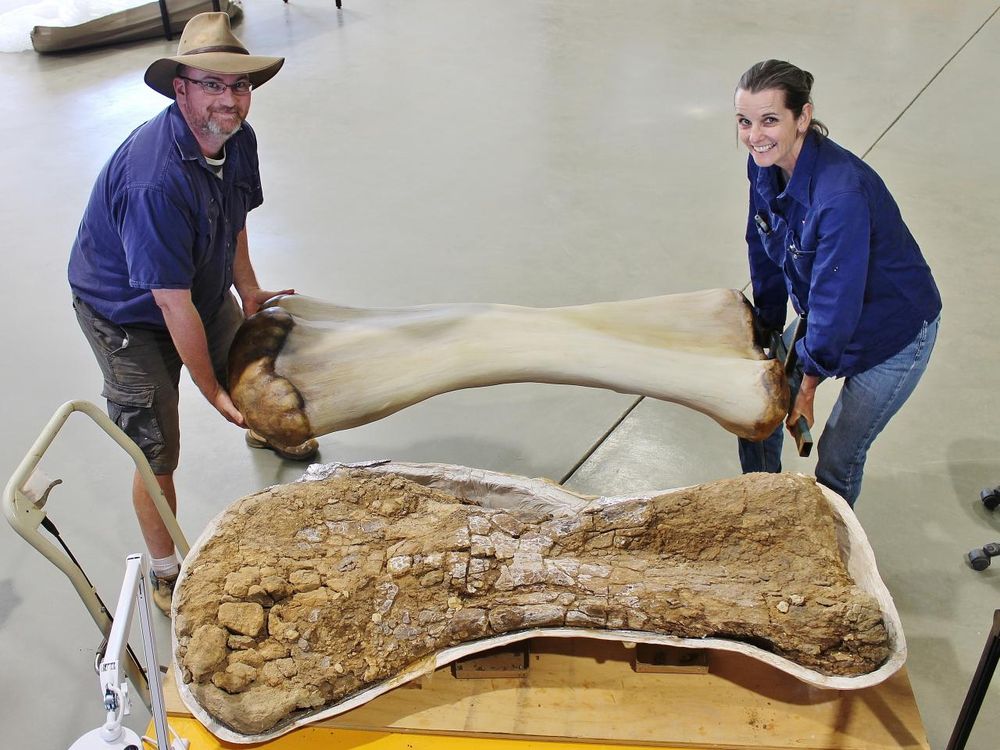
(544, 153)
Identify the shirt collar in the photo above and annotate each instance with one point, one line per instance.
(805, 166)
(183, 137)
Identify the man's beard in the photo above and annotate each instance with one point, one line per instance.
(212, 127)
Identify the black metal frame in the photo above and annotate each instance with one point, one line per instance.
(338, 4)
(978, 687)
(165, 16)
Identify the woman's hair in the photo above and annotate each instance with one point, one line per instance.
(778, 74)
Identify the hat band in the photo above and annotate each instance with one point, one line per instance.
(218, 48)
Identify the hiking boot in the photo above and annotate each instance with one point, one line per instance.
(163, 591)
(303, 452)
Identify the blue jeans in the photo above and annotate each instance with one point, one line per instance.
(866, 403)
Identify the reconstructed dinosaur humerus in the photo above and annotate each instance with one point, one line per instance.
(305, 600)
(302, 367)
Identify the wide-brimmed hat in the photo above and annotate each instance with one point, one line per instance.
(208, 43)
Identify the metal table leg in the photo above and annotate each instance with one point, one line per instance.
(977, 690)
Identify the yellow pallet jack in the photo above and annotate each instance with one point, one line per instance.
(572, 694)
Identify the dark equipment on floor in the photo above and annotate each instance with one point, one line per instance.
(990, 497)
(979, 558)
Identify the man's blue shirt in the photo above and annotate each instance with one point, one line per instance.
(160, 218)
(835, 243)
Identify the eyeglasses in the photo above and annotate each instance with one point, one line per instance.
(215, 88)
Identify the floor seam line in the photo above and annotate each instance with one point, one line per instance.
(600, 441)
(932, 79)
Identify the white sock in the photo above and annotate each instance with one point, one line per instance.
(165, 567)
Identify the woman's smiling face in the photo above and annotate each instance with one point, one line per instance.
(770, 131)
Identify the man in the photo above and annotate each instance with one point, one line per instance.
(161, 242)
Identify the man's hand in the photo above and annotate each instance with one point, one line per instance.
(222, 402)
(804, 401)
(245, 279)
(188, 334)
(252, 299)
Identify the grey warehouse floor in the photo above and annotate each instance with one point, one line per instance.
(547, 153)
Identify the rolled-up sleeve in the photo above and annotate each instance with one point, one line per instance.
(157, 236)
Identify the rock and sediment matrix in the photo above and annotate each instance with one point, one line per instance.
(303, 595)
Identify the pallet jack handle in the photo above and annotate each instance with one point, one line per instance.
(25, 516)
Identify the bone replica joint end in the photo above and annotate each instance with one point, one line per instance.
(775, 385)
(270, 403)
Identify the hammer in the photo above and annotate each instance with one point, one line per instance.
(783, 350)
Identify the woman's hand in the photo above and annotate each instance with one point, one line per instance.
(804, 402)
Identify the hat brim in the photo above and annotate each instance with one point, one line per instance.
(259, 69)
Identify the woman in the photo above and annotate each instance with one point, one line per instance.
(825, 232)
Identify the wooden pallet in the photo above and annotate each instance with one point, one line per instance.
(586, 693)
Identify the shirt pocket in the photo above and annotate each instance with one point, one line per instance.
(772, 240)
(209, 230)
(240, 200)
(799, 262)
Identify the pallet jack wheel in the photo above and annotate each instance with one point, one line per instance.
(990, 497)
(979, 558)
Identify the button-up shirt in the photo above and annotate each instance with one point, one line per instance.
(833, 241)
(160, 218)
